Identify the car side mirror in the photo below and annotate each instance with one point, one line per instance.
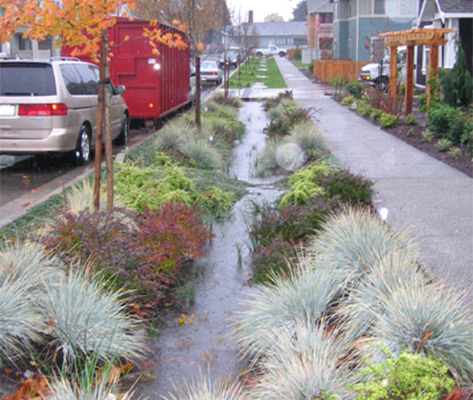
(120, 89)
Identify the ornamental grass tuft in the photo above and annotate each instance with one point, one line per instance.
(25, 271)
(305, 294)
(427, 319)
(364, 300)
(356, 239)
(86, 318)
(306, 363)
(202, 388)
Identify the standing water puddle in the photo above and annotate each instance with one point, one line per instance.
(183, 350)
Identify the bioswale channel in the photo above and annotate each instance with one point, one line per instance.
(199, 343)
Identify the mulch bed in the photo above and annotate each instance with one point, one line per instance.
(463, 164)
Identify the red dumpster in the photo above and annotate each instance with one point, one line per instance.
(156, 85)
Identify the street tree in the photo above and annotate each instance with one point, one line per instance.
(200, 16)
(274, 17)
(299, 12)
(82, 25)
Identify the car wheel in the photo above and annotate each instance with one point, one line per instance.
(259, 54)
(83, 150)
(282, 54)
(124, 130)
(382, 84)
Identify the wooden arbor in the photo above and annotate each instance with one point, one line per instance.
(410, 38)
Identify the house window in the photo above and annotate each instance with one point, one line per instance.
(379, 7)
(23, 44)
(366, 7)
(280, 41)
(352, 8)
(45, 44)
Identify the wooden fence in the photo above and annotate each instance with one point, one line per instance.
(325, 70)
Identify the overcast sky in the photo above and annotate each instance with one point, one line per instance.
(262, 8)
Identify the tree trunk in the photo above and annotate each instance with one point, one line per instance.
(197, 93)
(107, 132)
(99, 127)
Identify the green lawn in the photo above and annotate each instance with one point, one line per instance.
(248, 75)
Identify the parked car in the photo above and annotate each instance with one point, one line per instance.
(51, 106)
(210, 72)
(230, 57)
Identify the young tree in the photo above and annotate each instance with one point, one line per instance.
(299, 12)
(83, 26)
(200, 16)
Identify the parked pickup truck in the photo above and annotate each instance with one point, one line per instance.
(377, 74)
(270, 51)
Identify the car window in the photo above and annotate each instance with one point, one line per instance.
(27, 79)
(209, 64)
(89, 78)
(80, 79)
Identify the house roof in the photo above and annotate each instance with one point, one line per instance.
(316, 6)
(456, 6)
(294, 28)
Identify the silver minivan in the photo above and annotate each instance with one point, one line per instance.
(51, 106)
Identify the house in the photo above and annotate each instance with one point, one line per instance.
(454, 14)
(286, 35)
(320, 28)
(357, 24)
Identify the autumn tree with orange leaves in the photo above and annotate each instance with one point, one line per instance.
(200, 17)
(82, 25)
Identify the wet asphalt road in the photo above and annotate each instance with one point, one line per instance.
(20, 175)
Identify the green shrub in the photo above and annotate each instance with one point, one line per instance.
(410, 119)
(354, 89)
(347, 101)
(150, 187)
(444, 144)
(427, 136)
(456, 153)
(408, 377)
(363, 109)
(441, 117)
(388, 120)
(460, 130)
(351, 189)
(303, 184)
(423, 102)
(411, 132)
(376, 114)
(457, 84)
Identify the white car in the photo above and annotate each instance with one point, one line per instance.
(211, 72)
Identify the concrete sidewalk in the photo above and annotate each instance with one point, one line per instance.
(421, 193)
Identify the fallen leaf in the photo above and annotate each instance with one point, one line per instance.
(425, 338)
(26, 181)
(28, 203)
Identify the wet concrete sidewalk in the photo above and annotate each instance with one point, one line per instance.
(422, 193)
